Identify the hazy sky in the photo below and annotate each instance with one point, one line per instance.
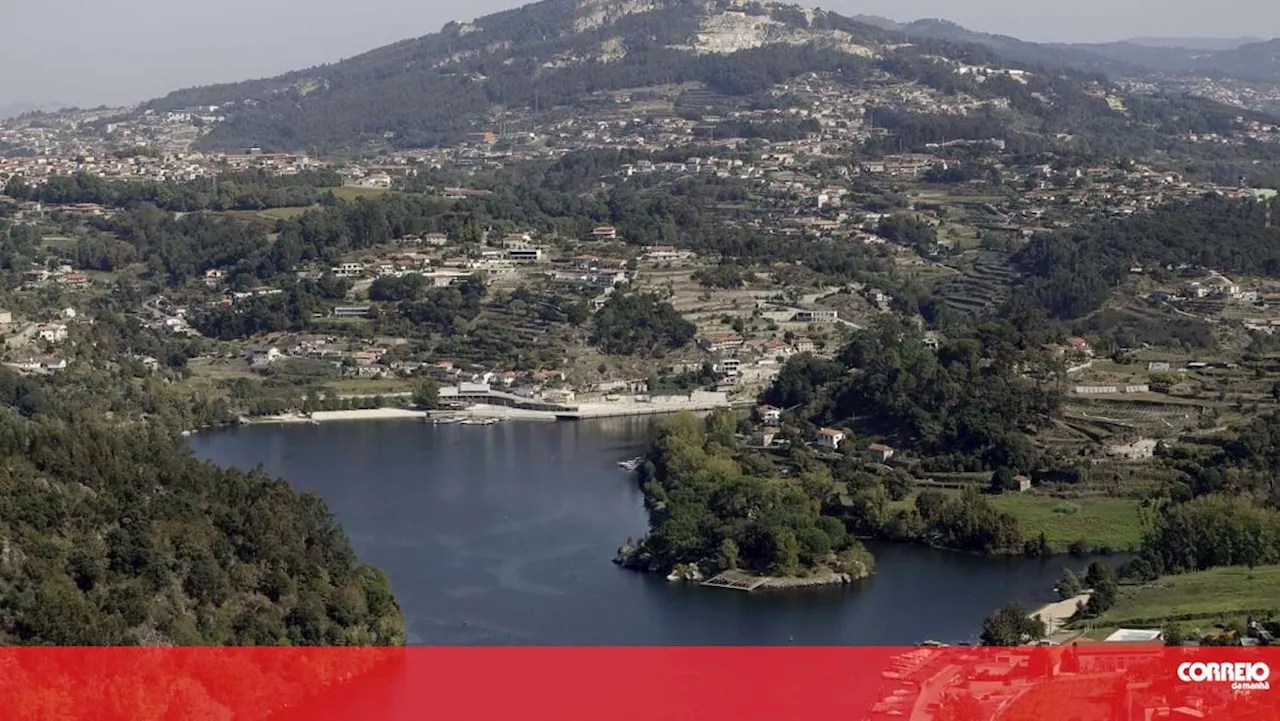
(87, 52)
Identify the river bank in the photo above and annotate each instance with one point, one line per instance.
(367, 414)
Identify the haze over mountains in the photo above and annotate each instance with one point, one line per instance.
(428, 89)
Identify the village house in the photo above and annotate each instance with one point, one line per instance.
(524, 255)
(829, 439)
(1080, 347)
(768, 414)
(262, 357)
(1023, 483)
(880, 453)
(765, 438)
(351, 311)
(665, 254)
(718, 342)
(604, 232)
(730, 367)
(348, 270)
(817, 316)
(777, 348)
(52, 332)
(803, 344)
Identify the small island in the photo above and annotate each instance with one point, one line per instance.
(733, 516)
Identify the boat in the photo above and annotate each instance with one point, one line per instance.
(445, 421)
(479, 421)
(631, 464)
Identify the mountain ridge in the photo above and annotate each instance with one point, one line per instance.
(434, 88)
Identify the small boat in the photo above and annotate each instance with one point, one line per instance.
(631, 464)
(445, 421)
(479, 421)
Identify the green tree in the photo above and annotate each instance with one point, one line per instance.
(426, 394)
(1011, 625)
(1069, 586)
(727, 558)
(1003, 480)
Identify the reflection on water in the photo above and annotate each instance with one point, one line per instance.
(503, 534)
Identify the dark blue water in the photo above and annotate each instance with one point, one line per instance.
(505, 535)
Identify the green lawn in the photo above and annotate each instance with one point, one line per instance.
(368, 386)
(1195, 599)
(351, 193)
(1111, 522)
(287, 213)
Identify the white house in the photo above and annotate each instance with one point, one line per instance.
(880, 452)
(768, 414)
(830, 439)
(260, 357)
(53, 332)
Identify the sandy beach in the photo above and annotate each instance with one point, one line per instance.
(1055, 615)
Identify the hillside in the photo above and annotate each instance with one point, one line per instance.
(433, 88)
(1021, 51)
(1243, 59)
(557, 54)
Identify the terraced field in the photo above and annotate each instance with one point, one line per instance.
(982, 288)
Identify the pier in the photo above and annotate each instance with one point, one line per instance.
(735, 581)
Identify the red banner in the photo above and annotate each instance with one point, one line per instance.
(1080, 683)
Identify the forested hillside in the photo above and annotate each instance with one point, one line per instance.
(558, 53)
(1073, 271)
(113, 535)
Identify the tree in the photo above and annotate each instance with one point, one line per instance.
(727, 559)
(1069, 586)
(1003, 480)
(426, 394)
(1172, 634)
(1012, 625)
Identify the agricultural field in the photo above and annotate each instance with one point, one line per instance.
(348, 192)
(1106, 523)
(1194, 600)
(984, 287)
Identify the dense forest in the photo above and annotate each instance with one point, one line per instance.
(118, 535)
(1073, 271)
(233, 191)
(640, 324)
(963, 405)
(708, 507)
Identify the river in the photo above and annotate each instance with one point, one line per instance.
(504, 535)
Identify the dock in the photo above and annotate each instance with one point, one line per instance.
(735, 581)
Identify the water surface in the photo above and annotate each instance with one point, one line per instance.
(504, 535)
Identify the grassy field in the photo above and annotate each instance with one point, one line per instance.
(367, 386)
(1195, 599)
(288, 213)
(1111, 522)
(351, 193)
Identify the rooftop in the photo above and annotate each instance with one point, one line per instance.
(1134, 635)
